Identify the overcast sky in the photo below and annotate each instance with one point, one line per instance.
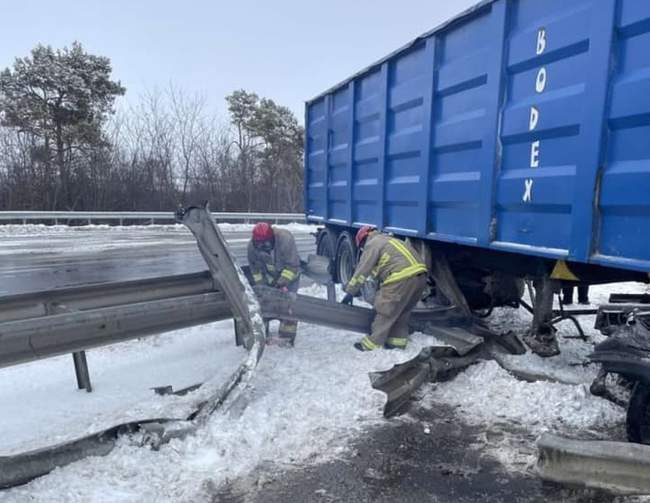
(288, 50)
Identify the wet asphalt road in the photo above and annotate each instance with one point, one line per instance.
(403, 462)
(30, 263)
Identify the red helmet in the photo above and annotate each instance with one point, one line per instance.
(262, 232)
(362, 234)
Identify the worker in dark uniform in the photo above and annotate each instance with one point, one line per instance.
(583, 295)
(402, 277)
(274, 261)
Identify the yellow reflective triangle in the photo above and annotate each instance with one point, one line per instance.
(562, 271)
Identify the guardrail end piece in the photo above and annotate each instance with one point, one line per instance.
(616, 467)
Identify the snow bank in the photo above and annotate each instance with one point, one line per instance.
(41, 405)
(40, 229)
(60, 239)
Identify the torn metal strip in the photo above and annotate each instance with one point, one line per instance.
(240, 295)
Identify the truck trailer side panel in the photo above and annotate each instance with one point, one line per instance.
(521, 125)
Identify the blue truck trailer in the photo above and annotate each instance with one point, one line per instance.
(520, 126)
(511, 143)
(515, 137)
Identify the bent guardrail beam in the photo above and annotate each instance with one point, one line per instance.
(106, 314)
(83, 298)
(32, 339)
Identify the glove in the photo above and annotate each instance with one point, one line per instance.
(284, 289)
(347, 299)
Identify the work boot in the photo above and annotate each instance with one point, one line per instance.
(366, 344)
(396, 343)
(599, 385)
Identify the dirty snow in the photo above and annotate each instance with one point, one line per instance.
(486, 394)
(304, 406)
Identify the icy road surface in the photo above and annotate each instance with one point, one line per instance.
(38, 257)
(307, 407)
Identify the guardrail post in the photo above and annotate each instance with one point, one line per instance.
(81, 371)
(331, 292)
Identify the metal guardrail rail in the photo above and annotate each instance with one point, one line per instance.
(45, 324)
(150, 216)
(618, 467)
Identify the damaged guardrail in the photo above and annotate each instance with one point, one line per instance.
(95, 326)
(617, 467)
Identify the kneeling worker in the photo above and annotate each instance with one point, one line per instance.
(402, 277)
(274, 261)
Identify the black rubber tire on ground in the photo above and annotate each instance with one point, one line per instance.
(346, 257)
(326, 247)
(638, 414)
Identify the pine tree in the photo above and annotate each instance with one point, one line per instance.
(62, 98)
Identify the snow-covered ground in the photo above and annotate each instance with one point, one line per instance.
(305, 406)
(40, 229)
(38, 238)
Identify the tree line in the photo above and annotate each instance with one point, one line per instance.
(63, 146)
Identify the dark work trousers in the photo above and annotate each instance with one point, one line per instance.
(583, 294)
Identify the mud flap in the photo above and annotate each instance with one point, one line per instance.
(317, 268)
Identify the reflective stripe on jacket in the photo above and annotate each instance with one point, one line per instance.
(281, 264)
(386, 258)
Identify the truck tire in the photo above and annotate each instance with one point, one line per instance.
(638, 414)
(346, 257)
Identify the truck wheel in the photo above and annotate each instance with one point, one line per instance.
(638, 414)
(346, 257)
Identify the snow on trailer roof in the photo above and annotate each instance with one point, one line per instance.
(456, 19)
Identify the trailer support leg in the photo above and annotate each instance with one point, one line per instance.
(81, 371)
(541, 338)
